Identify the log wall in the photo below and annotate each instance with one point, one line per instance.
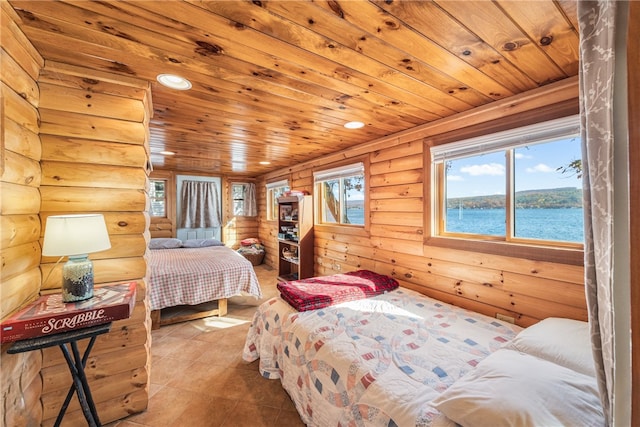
(20, 153)
(94, 130)
(73, 141)
(526, 283)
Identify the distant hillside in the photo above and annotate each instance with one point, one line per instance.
(567, 197)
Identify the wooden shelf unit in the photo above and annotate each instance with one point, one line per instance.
(295, 234)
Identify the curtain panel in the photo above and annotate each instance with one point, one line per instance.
(250, 206)
(200, 207)
(597, 43)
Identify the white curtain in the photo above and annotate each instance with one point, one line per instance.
(250, 207)
(597, 42)
(200, 207)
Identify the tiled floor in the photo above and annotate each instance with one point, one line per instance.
(198, 377)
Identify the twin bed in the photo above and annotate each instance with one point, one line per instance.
(394, 357)
(198, 276)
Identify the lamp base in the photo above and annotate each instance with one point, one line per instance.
(77, 279)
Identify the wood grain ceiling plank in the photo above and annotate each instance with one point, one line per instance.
(428, 19)
(296, 43)
(347, 90)
(545, 24)
(414, 48)
(359, 29)
(487, 21)
(227, 66)
(314, 68)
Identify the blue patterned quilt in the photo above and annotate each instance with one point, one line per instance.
(377, 361)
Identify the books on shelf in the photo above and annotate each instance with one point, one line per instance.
(48, 315)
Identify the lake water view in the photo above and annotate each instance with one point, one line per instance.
(562, 224)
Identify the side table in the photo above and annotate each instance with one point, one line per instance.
(76, 365)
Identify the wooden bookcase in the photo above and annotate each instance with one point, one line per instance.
(295, 238)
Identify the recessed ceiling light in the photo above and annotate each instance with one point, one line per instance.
(265, 163)
(168, 153)
(174, 82)
(354, 125)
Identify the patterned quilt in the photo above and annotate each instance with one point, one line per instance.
(191, 276)
(377, 361)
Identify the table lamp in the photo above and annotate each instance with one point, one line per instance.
(76, 236)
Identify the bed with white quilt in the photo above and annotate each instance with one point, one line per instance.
(191, 273)
(400, 358)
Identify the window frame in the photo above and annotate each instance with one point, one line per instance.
(272, 199)
(342, 171)
(504, 141)
(164, 199)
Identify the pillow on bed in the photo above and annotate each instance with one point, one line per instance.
(164, 243)
(509, 388)
(201, 243)
(566, 342)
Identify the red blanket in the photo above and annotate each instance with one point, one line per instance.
(320, 292)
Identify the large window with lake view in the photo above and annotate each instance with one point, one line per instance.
(341, 195)
(522, 185)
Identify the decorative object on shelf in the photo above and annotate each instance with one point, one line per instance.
(76, 236)
(289, 254)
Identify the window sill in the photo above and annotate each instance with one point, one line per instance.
(351, 230)
(561, 255)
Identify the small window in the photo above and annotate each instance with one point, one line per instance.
(341, 195)
(243, 199)
(522, 185)
(158, 198)
(275, 190)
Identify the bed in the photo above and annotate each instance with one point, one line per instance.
(400, 358)
(198, 276)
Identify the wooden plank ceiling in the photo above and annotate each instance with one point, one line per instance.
(275, 81)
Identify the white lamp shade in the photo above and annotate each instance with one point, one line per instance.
(75, 235)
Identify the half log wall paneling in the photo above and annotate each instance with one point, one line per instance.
(20, 277)
(94, 159)
(397, 241)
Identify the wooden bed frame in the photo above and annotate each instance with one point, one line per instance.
(183, 313)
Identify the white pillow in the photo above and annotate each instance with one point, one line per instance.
(566, 342)
(201, 243)
(512, 389)
(164, 243)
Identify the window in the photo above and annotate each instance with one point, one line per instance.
(158, 197)
(275, 190)
(341, 195)
(522, 185)
(243, 196)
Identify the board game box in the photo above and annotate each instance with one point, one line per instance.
(49, 315)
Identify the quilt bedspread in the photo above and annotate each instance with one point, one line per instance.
(377, 361)
(191, 276)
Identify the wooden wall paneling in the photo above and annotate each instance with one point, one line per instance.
(18, 79)
(67, 149)
(109, 175)
(21, 140)
(20, 281)
(63, 123)
(18, 291)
